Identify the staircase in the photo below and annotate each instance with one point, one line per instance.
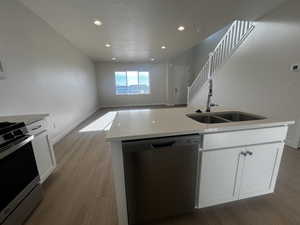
(234, 37)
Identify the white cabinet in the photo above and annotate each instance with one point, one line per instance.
(259, 169)
(236, 173)
(43, 150)
(218, 179)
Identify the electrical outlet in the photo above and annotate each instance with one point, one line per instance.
(2, 71)
(295, 67)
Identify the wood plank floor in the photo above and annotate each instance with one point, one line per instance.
(80, 192)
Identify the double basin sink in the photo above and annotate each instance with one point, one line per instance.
(224, 117)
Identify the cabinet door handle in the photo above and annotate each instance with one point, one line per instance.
(162, 145)
(37, 127)
(244, 153)
(249, 153)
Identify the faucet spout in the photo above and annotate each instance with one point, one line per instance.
(210, 80)
(210, 95)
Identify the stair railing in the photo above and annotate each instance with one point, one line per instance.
(234, 37)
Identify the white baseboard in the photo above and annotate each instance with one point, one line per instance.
(128, 105)
(292, 143)
(67, 130)
(134, 105)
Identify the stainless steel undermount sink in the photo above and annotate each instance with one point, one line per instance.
(204, 118)
(224, 117)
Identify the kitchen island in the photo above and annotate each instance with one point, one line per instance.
(235, 160)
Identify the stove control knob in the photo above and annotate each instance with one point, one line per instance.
(8, 136)
(18, 132)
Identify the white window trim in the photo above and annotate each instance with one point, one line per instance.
(138, 71)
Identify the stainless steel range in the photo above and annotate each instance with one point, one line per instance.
(19, 179)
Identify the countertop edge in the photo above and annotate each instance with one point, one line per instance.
(28, 119)
(245, 126)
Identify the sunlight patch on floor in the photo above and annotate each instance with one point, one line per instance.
(101, 124)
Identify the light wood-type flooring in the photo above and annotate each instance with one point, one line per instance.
(81, 192)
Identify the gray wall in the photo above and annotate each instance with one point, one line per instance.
(258, 78)
(45, 73)
(106, 84)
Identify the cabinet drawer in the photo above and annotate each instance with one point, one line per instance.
(244, 137)
(37, 127)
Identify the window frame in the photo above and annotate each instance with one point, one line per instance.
(138, 76)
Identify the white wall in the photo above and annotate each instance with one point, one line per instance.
(180, 76)
(45, 73)
(106, 84)
(202, 50)
(257, 77)
(183, 68)
(169, 80)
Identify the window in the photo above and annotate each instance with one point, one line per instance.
(132, 83)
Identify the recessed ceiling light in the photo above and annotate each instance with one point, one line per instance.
(181, 28)
(114, 58)
(163, 47)
(152, 59)
(97, 22)
(107, 45)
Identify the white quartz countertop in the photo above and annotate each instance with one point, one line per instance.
(27, 119)
(148, 123)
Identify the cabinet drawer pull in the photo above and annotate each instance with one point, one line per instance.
(244, 153)
(249, 153)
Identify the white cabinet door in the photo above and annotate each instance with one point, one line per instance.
(219, 176)
(44, 155)
(260, 169)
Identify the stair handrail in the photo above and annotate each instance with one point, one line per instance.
(232, 39)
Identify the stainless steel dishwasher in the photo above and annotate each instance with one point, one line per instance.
(160, 177)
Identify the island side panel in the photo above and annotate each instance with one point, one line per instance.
(119, 181)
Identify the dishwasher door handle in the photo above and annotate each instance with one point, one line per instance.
(163, 145)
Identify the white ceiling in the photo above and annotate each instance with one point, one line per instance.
(137, 29)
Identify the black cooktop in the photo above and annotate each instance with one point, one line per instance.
(5, 124)
(8, 126)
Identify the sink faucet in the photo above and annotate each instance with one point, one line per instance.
(210, 94)
(209, 103)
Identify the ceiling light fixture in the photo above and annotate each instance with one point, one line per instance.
(181, 28)
(98, 22)
(163, 47)
(114, 58)
(152, 59)
(107, 45)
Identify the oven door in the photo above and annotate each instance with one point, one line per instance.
(18, 174)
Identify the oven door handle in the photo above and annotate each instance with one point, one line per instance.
(14, 146)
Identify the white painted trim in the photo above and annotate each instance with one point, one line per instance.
(128, 105)
(67, 130)
(169, 104)
(291, 143)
